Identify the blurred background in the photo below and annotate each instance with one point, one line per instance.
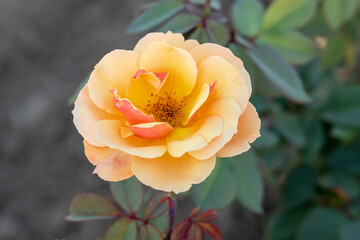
(307, 159)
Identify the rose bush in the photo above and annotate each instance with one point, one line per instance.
(164, 111)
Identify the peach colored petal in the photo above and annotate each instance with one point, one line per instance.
(168, 174)
(194, 137)
(161, 57)
(190, 44)
(152, 130)
(113, 72)
(229, 83)
(130, 112)
(194, 102)
(248, 131)
(86, 115)
(108, 132)
(173, 39)
(206, 50)
(229, 111)
(111, 164)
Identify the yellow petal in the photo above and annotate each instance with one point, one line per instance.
(161, 57)
(173, 39)
(206, 50)
(109, 133)
(194, 137)
(168, 174)
(141, 88)
(86, 115)
(194, 102)
(111, 164)
(114, 71)
(229, 111)
(248, 131)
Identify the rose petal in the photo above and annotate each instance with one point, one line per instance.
(153, 130)
(190, 44)
(206, 50)
(130, 112)
(111, 164)
(194, 101)
(168, 174)
(248, 131)
(108, 132)
(229, 110)
(86, 115)
(173, 39)
(194, 137)
(112, 72)
(161, 57)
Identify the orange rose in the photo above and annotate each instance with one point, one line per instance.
(164, 111)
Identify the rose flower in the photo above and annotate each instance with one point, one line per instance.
(164, 111)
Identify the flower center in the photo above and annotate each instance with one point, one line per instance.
(166, 108)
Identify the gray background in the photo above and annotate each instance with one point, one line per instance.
(47, 47)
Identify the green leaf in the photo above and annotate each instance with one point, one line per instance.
(341, 179)
(289, 125)
(336, 12)
(181, 23)
(320, 223)
(334, 51)
(128, 193)
(343, 107)
(91, 206)
(279, 73)
(218, 33)
(211, 193)
(215, 4)
(350, 230)
(154, 207)
(345, 158)
(149, 232)
(300, 185)
(249, 183)
(267, 140)
(289, 14)
(124, 229)
(155, 15)
(246, 16)
(200, 35)
(295, 47)
(284, 223)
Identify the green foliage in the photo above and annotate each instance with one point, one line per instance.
(91, 206)
(211, 193)
(155, 15)
(122, 229)
(247, 16)
(181, 23)
(350, 230)
(278, 72)
(289, 14)
(320, 223)
(249, 183)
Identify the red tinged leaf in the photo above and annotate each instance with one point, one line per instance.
(194, 212)
(207, 216)
(155, 207)
(195, 233)
(91, 206)
(212, 230)
(124, 228)
(151, 232)
(181, 229)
